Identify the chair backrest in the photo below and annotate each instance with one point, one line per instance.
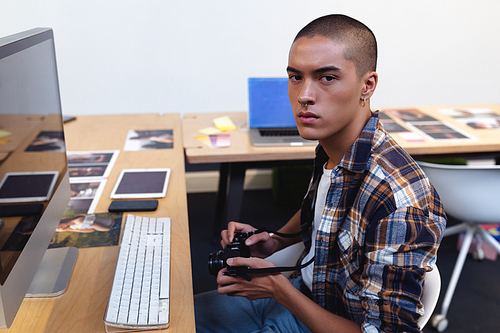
(432, 284)
(469, 193)
(287, 257)
(432, 288)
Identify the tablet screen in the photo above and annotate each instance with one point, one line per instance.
(27, 186)
(141, 183)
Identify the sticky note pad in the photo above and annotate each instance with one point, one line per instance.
(224, 123)
(220, 140)
(205, 139)
(215, 140)
(4, 133)
(210, 130)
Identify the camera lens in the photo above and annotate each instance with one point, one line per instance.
(215, 262)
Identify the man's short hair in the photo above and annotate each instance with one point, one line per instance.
(360, 42)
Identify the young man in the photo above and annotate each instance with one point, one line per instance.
(370, 219)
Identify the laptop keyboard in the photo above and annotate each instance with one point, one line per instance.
(279, 131)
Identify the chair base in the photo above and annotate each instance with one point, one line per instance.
(439, 321)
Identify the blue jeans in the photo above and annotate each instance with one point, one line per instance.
(222, 313)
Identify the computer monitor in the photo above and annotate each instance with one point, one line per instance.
(34, 188)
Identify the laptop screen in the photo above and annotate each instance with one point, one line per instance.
(269, 105)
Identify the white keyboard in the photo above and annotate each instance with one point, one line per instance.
(140, 296)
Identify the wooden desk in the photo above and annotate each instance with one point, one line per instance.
(82, 307)
(242, 155)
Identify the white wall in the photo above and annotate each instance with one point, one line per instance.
(129, 56)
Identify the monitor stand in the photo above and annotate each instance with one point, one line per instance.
(53, 274)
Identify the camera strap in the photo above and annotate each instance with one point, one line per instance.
(271, 270)
(245, 271)
(277, 233)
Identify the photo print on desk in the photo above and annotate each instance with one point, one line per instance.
(89, 230)
(85, 195)
(410, 115)
(477, 118)
(393, 127)
(481, 123)
(440, 131)
(149, 139)
(383, 116)
(469, 112)
(91, 164)
(48, 141)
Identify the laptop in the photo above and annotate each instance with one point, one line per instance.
(270, 117)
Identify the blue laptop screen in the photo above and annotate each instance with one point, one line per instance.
(269, 105)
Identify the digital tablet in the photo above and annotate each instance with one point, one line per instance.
(27, 186)
(141, 183)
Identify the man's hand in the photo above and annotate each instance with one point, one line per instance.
(261, 245)
(261, 286)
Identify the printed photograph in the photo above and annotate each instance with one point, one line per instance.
(481, 123)
(149, 139)
(91, 164)
(48, 141)
(84, 196)
(469, 112)
(89, 230)
(382, 115)
(439, 131)
(410, 115)
(393, 127)
(87, 171)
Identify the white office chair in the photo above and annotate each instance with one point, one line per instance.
(470, 194)
(287, 257)
(430, 297)
(432, 284)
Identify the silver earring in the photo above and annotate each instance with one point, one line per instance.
(364, 102)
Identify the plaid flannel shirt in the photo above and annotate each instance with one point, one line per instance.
(380, 230)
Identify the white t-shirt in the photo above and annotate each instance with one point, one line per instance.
(319, 206)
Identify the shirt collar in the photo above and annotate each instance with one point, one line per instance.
(356, 158)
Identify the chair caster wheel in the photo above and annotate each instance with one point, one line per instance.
(478, 254)
(439, 322)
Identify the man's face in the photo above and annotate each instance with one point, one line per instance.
(320, 76)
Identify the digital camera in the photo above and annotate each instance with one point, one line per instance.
(217, 260)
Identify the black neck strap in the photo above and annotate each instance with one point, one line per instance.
(245, 272)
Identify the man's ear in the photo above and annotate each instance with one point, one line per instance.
(370, 80)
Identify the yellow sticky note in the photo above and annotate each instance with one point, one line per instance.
(4, 133)
(205, 139)
(224, 123)
(210, 130)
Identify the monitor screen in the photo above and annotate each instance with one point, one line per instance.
(33, 165)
